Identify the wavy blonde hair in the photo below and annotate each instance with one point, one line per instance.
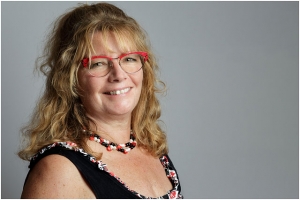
(59, 115)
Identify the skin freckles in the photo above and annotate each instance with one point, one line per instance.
(53, 173)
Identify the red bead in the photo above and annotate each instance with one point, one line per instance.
(108, 148)
(119, 147)
(92, 138)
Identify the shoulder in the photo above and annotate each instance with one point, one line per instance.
(55, 176)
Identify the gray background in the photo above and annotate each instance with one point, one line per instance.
(231, 111)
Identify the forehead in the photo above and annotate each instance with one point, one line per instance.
(111, 42)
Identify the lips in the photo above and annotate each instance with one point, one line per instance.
(118, 92)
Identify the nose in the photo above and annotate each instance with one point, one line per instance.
(116, 74)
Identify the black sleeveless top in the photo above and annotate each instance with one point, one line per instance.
(104, 183)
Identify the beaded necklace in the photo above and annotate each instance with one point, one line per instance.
(124, 148)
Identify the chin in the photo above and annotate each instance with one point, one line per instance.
(120, 110)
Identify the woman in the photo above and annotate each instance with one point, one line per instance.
(95, 132)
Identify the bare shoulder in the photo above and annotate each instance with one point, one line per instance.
(56, 177)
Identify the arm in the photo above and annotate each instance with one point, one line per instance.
(56, 177)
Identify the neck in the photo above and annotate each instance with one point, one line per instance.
(114, 130)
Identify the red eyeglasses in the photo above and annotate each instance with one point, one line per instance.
(101, 65)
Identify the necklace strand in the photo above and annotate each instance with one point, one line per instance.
(124, 148)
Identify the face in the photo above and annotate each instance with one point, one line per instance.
(115, 94)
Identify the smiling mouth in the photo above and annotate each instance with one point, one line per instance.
(117, 92)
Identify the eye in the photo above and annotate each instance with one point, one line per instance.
(131, 58)
(99, 64)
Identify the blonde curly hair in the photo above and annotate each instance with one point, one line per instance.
(59, 115)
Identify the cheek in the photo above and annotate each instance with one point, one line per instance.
(139, 81)
(141, 78)
(87, 84)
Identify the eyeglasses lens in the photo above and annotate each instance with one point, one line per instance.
(130, 63)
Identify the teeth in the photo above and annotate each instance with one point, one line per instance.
(117, 92)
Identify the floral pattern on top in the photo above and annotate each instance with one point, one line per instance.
(171, 174)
